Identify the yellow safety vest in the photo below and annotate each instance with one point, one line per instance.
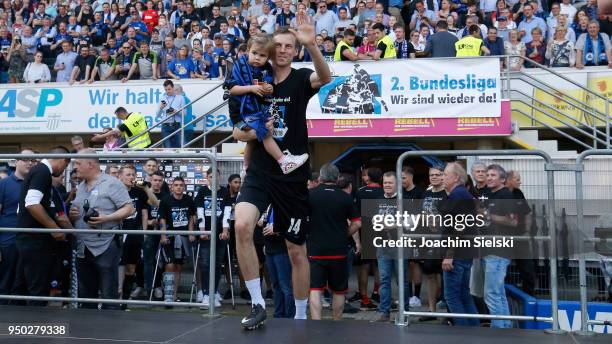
(338, 54)
(137, 124)
(390, 52)
(468, 46)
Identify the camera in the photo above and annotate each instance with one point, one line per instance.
(89, 212)
(170, 111)
(143, 184)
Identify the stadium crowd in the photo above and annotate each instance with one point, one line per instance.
(85, 41)
(149, 266)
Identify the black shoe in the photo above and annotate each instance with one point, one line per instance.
(355, 297)
(269, 295)
(375, 297)
(245, 295)
(227, 295)
(350, 309)
(255, 319)
(368, 306)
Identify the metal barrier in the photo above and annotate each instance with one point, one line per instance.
(210, 155)
(584, 329)
(403, 315)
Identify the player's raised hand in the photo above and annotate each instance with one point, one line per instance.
(305, 33)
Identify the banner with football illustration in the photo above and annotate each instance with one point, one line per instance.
(415, 88)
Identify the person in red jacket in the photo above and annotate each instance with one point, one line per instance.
(150, 16)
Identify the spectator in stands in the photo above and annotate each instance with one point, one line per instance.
(560, 51)
(10, 188)
(493, 43)
(503, 31)
(417, 45)
(168, 53)
(146, 62)
(180, 40)
(17, 58)
(441, 43)
(112, 141)
(45, 35)
(83, 65)
(267, 20)
(581, 24)
(28, 40)
(325, 19)
(503, 219)
(536, 49)
(343, 20)
(591, 9)
(37, 211)
(593, 48)
(122, 19)
(169, 106)
(515, 47)
(182, 66)
(380, 11)
(138, 25)
(98, 254)
(420, 14)
(285, 16)
(403, 48)
(452, 27)
(469, 21)
(150, 16)
(395, 8)
(530, 22)
(124, 61)
(456, 275)
(37, 71)
(570, 34)
(100, 31)
(328, 49)
(569, 10)
(553, 19)
(104, 67)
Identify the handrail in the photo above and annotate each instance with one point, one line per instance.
(207, 132)
(562, 77)
(223, 141)
(594, 137)
(557, 130)
(581, 105)
(167, 118)
(193, 121)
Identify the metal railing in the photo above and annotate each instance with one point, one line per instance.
(584, 329)
(181, 110)
(209, 155)
(403, 316)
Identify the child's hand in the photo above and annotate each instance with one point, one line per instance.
(258, 90)
(267, 88)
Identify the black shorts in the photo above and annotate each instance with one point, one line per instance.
(132, 249)
(431, 266)
(168, 254)
(332, 273)
(289, 200)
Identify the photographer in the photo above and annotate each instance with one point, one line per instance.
(101, 202)
(16, 58)
(170, 103)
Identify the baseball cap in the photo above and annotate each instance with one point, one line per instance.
(502, 18)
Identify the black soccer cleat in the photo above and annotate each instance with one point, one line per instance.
(255, 319)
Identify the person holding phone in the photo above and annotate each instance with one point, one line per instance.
(169, 106)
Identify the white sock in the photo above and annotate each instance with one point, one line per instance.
(254, 287)
(300, 309)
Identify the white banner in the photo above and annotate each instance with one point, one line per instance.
(416, 88)
(88, 108)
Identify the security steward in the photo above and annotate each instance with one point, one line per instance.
(345, 50)
(472, 44)
(133, 128)
(385, 49)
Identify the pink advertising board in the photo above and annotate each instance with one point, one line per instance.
(408, 127)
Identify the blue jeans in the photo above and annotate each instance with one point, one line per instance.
(387, 268)
(8, 268)
(494, 289)
(279, 270)
(167, 130)
(149, 253)
(457, 292)
(204, 262)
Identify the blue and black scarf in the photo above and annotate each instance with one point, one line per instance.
(592, 58)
